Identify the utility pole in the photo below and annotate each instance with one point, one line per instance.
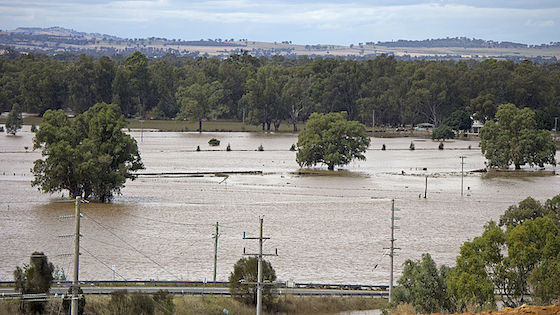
(462, 174)
(426, 188)
(392, 248)
(75, 283)
(215, 250)
(259, 256)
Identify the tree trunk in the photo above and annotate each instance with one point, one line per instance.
(295, 126)
(517, 166)
(277, 125)
(200, 125)
(263, 126)
(268, 126)
(331, 167)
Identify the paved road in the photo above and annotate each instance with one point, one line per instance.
(88, 289)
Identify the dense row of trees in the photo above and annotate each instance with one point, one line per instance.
(517, 259)
(270, 91)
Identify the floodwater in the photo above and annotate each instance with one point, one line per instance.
(327, 228)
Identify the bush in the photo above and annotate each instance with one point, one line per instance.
(383, 147)
(164, 302)
(197, 148)
(33, 128)
(443, 132)
(260, 148)
(1, 128)
(412, 147)
(228, 148)
(34, 278)
(293, 147)
(214, 142)
(246, 269)
(440, 146)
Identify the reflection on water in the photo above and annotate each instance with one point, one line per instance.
(326, 228)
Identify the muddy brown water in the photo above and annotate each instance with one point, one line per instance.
(326, 228)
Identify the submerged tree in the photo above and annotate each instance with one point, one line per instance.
(14, 122)
(514, 139)
(88, 155)
(332, 140)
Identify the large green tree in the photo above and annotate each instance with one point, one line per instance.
(14, 122)
(331, 139)
(515, 140)
(88, 155)
(201, 101)
(520, 262)
(34, 278)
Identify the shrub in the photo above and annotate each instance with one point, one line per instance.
(260, 148)
(440, 146)
(411, 147)
(383, 147)
(293, 147)
(164, 302)
(214, 142)
(33, 128)
(197, 148)
(246, 269)
(228, 148)
(1, 128)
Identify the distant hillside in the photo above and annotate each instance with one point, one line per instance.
(461, 42)
(60, 41)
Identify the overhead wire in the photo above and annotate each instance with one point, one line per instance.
(131, 246)
(104, 264)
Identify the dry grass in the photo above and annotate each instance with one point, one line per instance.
(215, 305)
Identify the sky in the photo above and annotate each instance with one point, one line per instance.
(299, 21)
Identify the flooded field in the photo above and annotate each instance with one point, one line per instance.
(326, 228)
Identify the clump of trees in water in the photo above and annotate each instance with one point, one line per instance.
(271, 91)
(515, 139)
(518, 258)
(87, 156)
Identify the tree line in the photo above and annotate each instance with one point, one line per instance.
(271, 91)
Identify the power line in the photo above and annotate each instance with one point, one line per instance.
(104, 264)
(134, 248)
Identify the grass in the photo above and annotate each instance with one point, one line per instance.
(215, 305)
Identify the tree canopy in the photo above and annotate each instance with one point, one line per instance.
(331, 139)
(246, 269)
(34, 278)
(88, 155)
(514, 139)
(443, 132)
(14, 122)
(521, 261)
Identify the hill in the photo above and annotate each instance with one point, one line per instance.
(58, 40)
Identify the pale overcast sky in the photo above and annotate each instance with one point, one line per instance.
(301, 21)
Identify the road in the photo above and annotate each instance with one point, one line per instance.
(198, 290)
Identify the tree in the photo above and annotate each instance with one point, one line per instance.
(521, 263)
(88, 156)
(459, 120)
(246, 269)
(201, 101)
(34, 278)
(443, 132)
(423, 286)
(515, 140)
(14, 122)
(332, 140)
